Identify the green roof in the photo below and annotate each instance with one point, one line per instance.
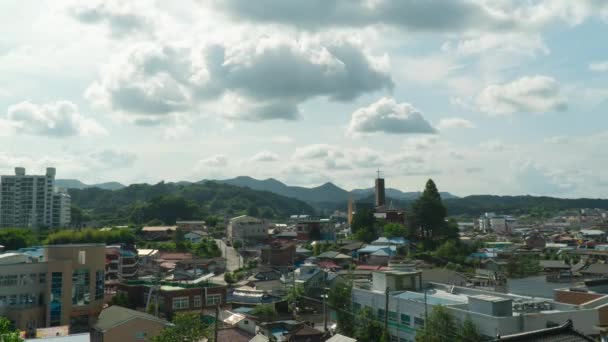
(116, 315)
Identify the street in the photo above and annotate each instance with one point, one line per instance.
(231, 255)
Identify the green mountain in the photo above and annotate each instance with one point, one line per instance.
(76, 184)
(326, 193)
(189, 200)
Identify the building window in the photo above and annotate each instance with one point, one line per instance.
(392, 316)
(81, 294)
(82, 257)
(42, 278)
(55, 302)
(381, 314)
(99, 284)
(181, 303)
(197, 301)
(405, 319)
(356, 307)
(213, 299)
(419, 322)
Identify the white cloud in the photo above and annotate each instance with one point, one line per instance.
(265, 156)
(430, 15)
(54, 119)
(152, 80)
(601, 66)
(388, 116)
(529, 94)
(315, 151)
(493, 146)
(512, 43)
(216, 161)
(121, 17)
(449, 123)
(111, 159)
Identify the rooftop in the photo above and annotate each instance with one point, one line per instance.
(116, 315)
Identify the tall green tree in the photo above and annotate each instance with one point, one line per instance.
(15, 238)
(340, 298)
(7, 332)
(395, 230)
(364, 225)
(428, 215)
(438, 327)
(468, 331)
(367, 328)
(186, 327)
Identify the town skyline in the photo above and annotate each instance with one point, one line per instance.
(149, 91)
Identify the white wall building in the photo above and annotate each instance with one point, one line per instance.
(27, 200)
(492, 223)
(493, 313)
(246, 228)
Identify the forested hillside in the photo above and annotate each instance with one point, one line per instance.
(140, 203)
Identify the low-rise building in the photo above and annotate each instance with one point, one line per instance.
(246, 229)
(191, 225)
(156, 233)
(116, 323)
(493, 313)
(175, 297)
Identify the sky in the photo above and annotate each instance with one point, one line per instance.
(485, 97)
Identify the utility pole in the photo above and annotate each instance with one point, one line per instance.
(217, 321)
(426, 313)
(293, 282)
(325, 309)
(386, 311)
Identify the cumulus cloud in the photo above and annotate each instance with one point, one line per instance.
(539, 180)
(112, 159)
(599, 66)
(316, 151)
(152, 80)
(54, 119)
(448, 123)
(265, 156)
(529, 94)
(121, 17)
(430, 15)
(388, 116)
(216, 161)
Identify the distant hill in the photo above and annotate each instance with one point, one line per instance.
(326, 193)
(212, 197)
(76, 184)
(396, 194)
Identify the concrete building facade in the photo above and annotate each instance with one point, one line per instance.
(66, 287)
(247, 229)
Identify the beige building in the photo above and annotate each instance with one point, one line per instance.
(64, 287)
(125, 325)
(246, 228)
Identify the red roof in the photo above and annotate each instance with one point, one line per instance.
(175, 256)
(328, 264)
(368, 268)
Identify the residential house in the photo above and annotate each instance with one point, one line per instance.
(158, 233)
(116, 323)
(310, 277)
(340, 338)
(305, 333)
(364, 254)
(191, 226)
(338, 258)
(195, 236)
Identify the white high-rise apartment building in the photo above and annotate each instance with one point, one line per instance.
(28, 200)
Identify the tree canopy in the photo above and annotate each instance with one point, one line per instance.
(90, 235)
(428, 216)
(187, 327)
(7, 332)
(364, 225)
(340, 299)
(15, 238)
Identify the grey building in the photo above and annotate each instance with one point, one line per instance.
(32, 201)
